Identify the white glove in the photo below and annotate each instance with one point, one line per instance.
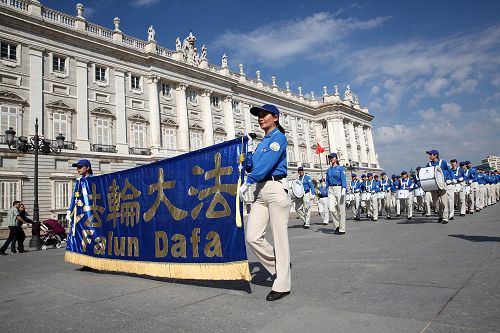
(250, 146)
(343, 191)
(243, 190)
(470, 181)
(461, 179)
(454, 181)
(448, 181)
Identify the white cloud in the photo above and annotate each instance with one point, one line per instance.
(452, 109)
(144, 3)
(282, 42)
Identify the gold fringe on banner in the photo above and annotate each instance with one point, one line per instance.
(237, 270)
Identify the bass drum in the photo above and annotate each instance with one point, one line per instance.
(296, 189)
(432, 178)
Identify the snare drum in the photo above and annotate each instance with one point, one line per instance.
(349, 197)
(432, 178)
(419, 192)
(458, 188)
(381, 195)
(403, 194)
(296, 189)
(366, 196)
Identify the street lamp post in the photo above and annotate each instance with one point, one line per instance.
(36, 145)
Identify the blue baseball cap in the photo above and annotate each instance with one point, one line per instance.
(331, 155)
(82, 163)
(404, 173)
(300, 169)
(453, 160)
(383, 173)
(363, 175)
(266, 107)
(393, 176)
(432, 152)
(467, 162)
(463, 163)
(369, 174)
(353, 175)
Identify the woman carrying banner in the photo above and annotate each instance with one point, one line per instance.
(267, 169)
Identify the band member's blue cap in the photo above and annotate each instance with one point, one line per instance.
(266, 107)
(404, 173)
(393, 176)
(332, 155)
(453, 160)
(363, 175)
(369, 174)
(432, 152)
(463, 163)
(467, 162)
(353, 175)
(300, 169)
(382, 173)
(82, 163)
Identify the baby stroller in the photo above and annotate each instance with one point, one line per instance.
(52, 234)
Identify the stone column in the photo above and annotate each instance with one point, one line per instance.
(331, 136)
(154, 114)
(352, 141)
(341, 147)
(182, 117)
(371, 154)
(248, 117)
(361, 138)
(318, 133)
(121, 114)
(308, 142)
(206, 108)
(295, 136)
(82, 106)
(36, 91)
(227, 107)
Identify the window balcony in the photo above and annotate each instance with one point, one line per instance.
(3, 139)
(103, 148)
(306, 165)
(292, 164)
(139, 151)
(317, 166)
(67, 144)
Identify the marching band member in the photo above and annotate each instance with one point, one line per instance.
(386, 187)
(489, 188)
(371, 186)
(439, 197)
(481, 180)
(462, 200)
(337, 188)
(379, 200)
(323, 202)
(451, 186)
(469, 197)
(407, 184)
(457, 177)
(268, 169)
(474, 187)
(416, 185)
(394, 189)
(303, 205)
(355, 189)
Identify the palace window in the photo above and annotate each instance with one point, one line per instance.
(290, 156)
(166, 90)
(299, 123)
(58, 64)
(103, 131)
(100, 74)
(60, 124)
(9, 191)
(192, 96)
(303, 156)
(286, 120)
(215, 101)
(62, 194)
(135, 82)
(8, 51)
(8, 118)
(138, 135)
(218, 138)
(236, 107)
(169, 135)
(196, 139)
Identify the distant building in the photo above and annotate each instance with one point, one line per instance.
(121, 102)
(490, 163)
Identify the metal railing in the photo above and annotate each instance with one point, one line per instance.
(67, 144)
(103, 148)
(139, 151)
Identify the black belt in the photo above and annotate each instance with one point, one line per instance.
(323, 196)
(280, 177)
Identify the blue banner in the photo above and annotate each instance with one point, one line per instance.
(176, 218)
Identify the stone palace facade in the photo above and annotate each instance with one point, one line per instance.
(122, 102)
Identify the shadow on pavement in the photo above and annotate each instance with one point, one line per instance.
(261, 277)
(477, 238)
(229, 284)
(417, 220)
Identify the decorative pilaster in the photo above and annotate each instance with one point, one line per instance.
(228, 117)
(182, 117)
(352, 141)
(154, 114)
(331, 136)
(361, 138)
(82, 106)
(248, 117)
(340, 139)
(121, 114)
(36, 89)
(295, 136)
(206, 107)
(372, 157)
(308, 141)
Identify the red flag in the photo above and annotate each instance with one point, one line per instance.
(319, 149)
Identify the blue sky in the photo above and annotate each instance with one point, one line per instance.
(429, 71)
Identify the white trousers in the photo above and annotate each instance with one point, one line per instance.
(440, 200)
(450, 192)
(271, 205)
(372, 207)
(356, 205)
(386, 203)
(303, 208)
(408, 204)
(323, 209)
(336, 204)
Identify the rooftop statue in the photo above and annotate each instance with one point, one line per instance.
(178, 45)
(151, 34)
